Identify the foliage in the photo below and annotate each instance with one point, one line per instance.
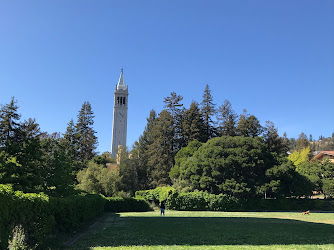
(208, 110)
(85, 134)
(140, 153)
(98, 179)
(248, 125)
(193, 124)
(299, 157)
(237, 166)
(117, 204)
(276, 144)
(227, 119)
(155, 195)
(161, 154)
(321, 174)
(32, 217)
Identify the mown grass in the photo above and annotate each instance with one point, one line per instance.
(210, 230)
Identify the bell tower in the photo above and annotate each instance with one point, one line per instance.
(120, 116)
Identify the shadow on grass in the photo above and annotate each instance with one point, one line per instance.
(114, 230)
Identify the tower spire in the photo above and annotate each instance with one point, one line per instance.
(121, 84)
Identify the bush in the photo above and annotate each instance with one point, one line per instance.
(32, 217)
(155, 195)
(29, 212)
(116, 204)
(69, 212)
(201, 200)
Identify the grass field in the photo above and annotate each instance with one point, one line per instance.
(209, 230)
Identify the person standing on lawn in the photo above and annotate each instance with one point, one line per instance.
(162, 208)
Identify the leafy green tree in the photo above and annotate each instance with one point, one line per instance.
(193, 124)
(208, 110)
(128, 173)
(97, 178)
(299, 157)
(302, 142)
(233, 165)
(58, 178)
(238, 166)
(321, 174)
(227, 119)
(284, 181)
(85, 134)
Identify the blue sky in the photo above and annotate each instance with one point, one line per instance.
(273, 58)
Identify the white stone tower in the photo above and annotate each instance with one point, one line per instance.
(120, 116)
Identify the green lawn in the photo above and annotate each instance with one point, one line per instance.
(210, 230)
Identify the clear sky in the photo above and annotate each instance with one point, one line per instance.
(273, 58)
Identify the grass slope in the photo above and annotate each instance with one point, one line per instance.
(210, 230)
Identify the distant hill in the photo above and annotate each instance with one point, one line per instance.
(323, 144)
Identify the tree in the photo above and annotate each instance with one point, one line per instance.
(227, 119)
(302, 142)
(276, 144)
(248, 125)
(238, 166)
(174, 106)
(85, 134)
(299, 157)
(193, 124)
(97, 178)
(9, 124)
(161, 154)
(321, 174)
(208, 110)
(140, 153)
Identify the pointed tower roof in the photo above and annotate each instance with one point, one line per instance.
(121, 84)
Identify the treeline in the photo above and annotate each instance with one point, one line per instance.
(35, 161)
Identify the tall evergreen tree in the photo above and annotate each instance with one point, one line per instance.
(275, 143)
(174, 106)
(193, 125)
(161, 155)
(85, 134)
(140, 153)
(208, 110)
(9, 123)
(248, 125)
(227, 119)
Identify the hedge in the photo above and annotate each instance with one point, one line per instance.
(126, 205)
(40, 215)
(203, 201)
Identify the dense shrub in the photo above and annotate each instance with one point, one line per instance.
(155, 195)
(28, 211)
(71, 211)
(200, 200)
(116, 204)
(38, 214)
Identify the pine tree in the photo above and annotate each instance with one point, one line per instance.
(140, 153)
(85, 134)
(208, 110)
(9, 123)
(227, 119)
(161, 155)
(174, 106)
(274, 142)
(193, 124)
(249, 125)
